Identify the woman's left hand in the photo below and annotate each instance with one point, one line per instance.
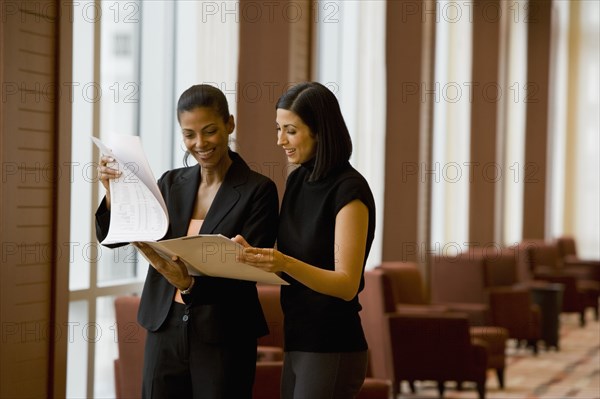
(174, 271)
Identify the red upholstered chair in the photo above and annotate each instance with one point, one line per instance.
(270, 353)
(586, 269)
(437, 347)
(580, 292)
(377, 301)
(409, 294)
(567, 248)
(267, 382)
(270, 347)
(508, 296)
(131, 339)
(512, 309)
(471, 276)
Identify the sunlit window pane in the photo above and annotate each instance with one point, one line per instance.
(77, 354)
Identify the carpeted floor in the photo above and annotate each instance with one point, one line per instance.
(572, 372)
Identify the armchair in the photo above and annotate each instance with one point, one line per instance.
(580, 292)
(267, 381)
(270, 347)
(476, 276)
(131, 339)
(567, 252)
(378, 303)
(588, 268)
(438, 347)
(409, 294)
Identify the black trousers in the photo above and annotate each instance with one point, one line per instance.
(179, 365)
(311, 375)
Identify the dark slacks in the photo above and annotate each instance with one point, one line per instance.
(310, 375)
(179, 365)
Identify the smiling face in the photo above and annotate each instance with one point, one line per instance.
(295, 137)
(206, 136)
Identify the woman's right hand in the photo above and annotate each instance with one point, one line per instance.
(105, 173)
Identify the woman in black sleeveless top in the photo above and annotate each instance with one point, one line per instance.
(327, 223)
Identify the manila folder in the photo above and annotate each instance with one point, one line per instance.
(213, 255)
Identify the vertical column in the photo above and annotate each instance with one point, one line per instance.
(62, 211)
(274, 53)
(486, 96)
(573, 103)
(409, 62)
(536, 124)
(33, 272)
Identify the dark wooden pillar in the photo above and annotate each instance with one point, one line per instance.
(275, 52)
(536, 125)
(35, 64)
(486, 95)
(409, 55)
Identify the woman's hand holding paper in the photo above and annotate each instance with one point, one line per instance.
(174, 270)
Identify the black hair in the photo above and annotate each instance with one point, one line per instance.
(319, 109)
(203, 96)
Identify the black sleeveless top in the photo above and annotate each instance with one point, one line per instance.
(317, 322)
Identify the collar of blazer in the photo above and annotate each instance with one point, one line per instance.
(183, 190)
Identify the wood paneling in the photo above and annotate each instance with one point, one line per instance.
(536, 124)
(407, 122)
(29, 37)
(274, 54)
(484, 123)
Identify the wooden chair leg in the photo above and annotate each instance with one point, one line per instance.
(411, 384)
(441, 388)
(533, 344)
(396, 388)
(500, 375)
(481, 389)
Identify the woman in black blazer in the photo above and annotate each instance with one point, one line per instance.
(202, 331)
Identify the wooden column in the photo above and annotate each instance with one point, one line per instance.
(34, 151)
(486, 95)
(536, 125)
(275, 53)
(409, 61)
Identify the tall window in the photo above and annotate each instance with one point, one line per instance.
(451, 126)
(581, 216)
(514, 132)
(131, 61)
(350, 50)
(105, 101)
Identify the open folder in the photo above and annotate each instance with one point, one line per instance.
(139, 213)
(213, 255)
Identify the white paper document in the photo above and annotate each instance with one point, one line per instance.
(138, 213)
(138, 210)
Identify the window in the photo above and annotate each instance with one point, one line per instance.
(122, 45)
(451, 126)
(514, 131)
(350, 43)
(131, 88)
(105, 100)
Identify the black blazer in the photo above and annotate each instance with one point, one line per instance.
(246, 204)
